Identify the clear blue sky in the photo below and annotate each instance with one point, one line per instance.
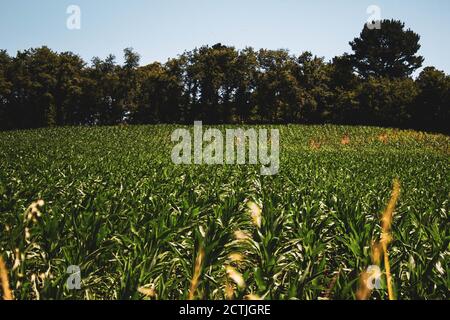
(159, 29)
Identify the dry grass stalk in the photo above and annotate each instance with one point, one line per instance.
(148, 291)
(377, 252)
(381, 248)
(387, 266)
(386, 238)
(364, 291)
(7, 294)
(197, 271)
(386, 220)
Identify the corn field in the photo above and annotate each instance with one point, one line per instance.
(109, 200)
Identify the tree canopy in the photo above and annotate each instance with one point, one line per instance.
(220, 84)
(390, 51)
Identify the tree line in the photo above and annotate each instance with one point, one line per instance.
(373, 85)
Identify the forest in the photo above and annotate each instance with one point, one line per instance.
(377, 84)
